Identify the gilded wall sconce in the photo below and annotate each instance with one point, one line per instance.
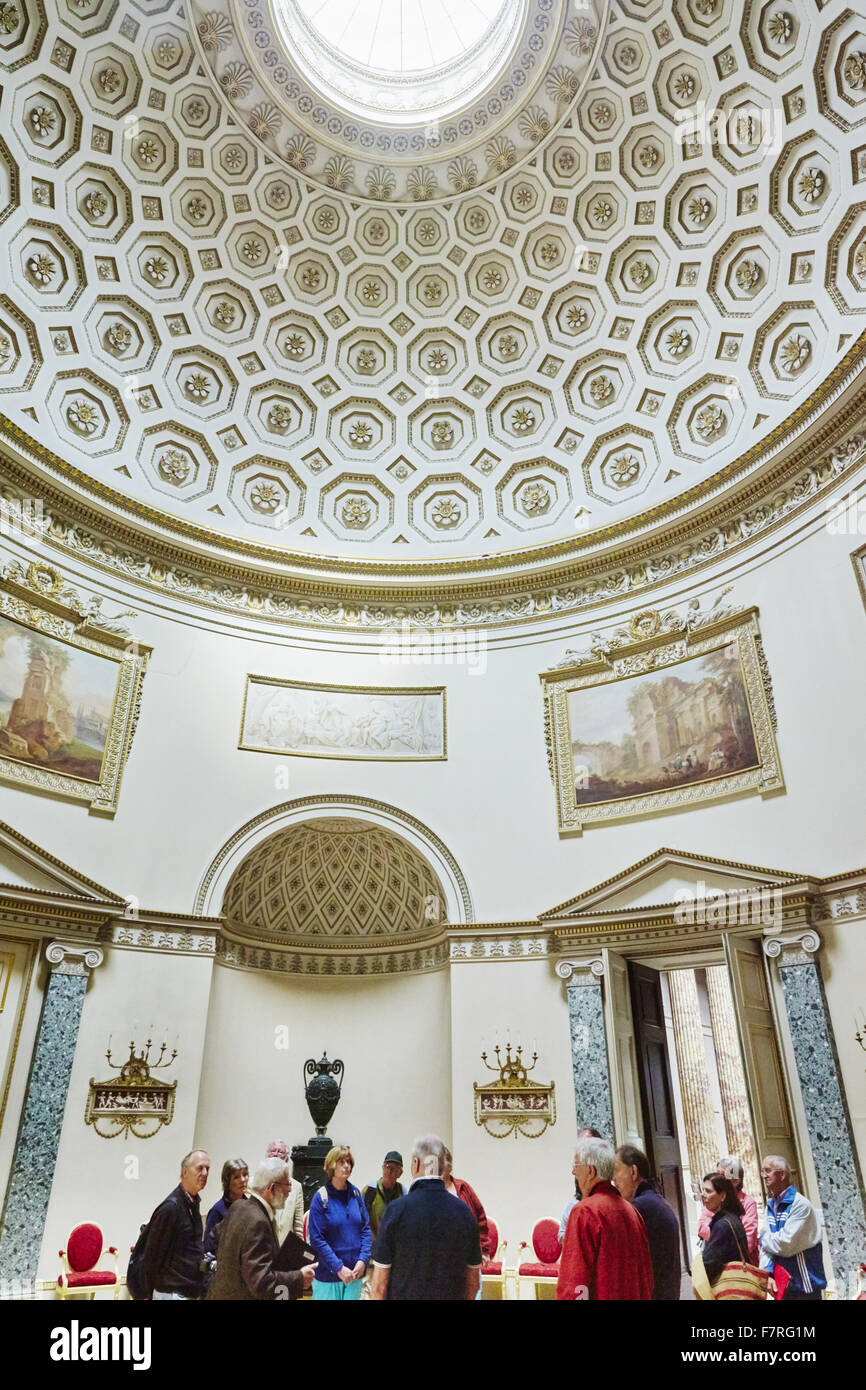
(134, 1102)
(512, 1103)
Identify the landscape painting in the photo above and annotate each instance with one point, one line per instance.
(350, 722)
(662, 730)
(56, 702)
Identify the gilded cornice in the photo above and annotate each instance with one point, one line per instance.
(40, 859)
(715, 518)
(658, 858)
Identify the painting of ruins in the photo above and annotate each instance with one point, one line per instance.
(56, 702)
(667, 713)
(662, 730)
(343, 722)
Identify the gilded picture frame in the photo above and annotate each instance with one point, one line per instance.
(359, 723)
(858, 556)
(73, 648)
(669, 712)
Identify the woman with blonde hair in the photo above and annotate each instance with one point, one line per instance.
(339, 1230)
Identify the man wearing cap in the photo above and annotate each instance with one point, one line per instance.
(387, 1189)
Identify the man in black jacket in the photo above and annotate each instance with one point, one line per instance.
(173, 1253)
(631, 1177)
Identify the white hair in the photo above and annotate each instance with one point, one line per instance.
(430, 1151)
(269, 1170)
(778, 1161)
(732, 1168)
(597, 1154)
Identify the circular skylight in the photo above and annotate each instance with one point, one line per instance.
(401, 61)
(401, 36)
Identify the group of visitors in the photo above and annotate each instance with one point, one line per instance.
(240, 1253)
(620, 1239)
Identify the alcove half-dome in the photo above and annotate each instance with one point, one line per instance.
(334, 878)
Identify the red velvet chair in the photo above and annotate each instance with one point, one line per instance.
(80, 1258)
(493, 1272)
(544, 1269)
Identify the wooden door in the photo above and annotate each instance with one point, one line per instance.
(762, 1063)
(619, 1026)
(657, 1098)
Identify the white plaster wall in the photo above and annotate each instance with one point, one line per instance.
(118, 1182)
(187, 787)
(518, 1180)
(393, 1035)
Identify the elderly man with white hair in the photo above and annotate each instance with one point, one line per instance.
(249, 1247)
(605, 1254)
(427, 1247)
(790, 1237)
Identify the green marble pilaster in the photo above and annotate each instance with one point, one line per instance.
(32, 1174)
(831, 1136)
(590, 1073)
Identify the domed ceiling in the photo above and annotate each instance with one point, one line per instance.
(334, 878)
(582, 272)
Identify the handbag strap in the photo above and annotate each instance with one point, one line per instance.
(737, 1239)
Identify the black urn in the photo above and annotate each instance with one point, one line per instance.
(322, 1090)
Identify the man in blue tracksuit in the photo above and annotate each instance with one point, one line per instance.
(790, 1237)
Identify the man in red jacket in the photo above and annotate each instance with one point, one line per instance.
(458, 1187)
(605, 1254)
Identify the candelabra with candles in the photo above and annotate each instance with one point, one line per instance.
(510, 1069)
(138, 1064)
(135, 1101)
(512, 1103)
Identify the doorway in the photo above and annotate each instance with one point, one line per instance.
(696, 1101)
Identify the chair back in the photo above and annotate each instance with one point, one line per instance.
(545, 1240)
(84, 1247)
(493, 1232)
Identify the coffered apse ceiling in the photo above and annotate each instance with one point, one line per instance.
(259, 283)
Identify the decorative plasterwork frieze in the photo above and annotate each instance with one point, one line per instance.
(479, 947)
(199, 942)
(568, 577)
(841, 904)
(238, 956)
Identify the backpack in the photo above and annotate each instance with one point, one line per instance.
(135, 1281)
(362, 1206)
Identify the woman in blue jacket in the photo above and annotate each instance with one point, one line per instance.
(339, 1230)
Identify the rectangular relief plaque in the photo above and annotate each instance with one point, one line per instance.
(367, 723)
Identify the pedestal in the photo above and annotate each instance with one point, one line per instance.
(307, 1165)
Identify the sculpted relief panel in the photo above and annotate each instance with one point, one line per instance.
(343, 722)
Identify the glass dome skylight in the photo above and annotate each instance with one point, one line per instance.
(402, 62)
(401, 36)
